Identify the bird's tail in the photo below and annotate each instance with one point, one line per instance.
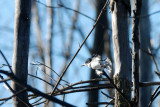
(108, 65)
(108, 61)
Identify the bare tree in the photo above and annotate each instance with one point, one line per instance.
(121, 83)
(122, 56)
(21, 49)
(145, 60)
(40, 44)
(48, 55)
(98, 46)
(135, 54)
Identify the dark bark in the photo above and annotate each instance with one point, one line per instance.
(21, 48)
(98, 47)
(135, 55)
(145, 60)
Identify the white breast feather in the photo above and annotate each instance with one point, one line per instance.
(98, 72)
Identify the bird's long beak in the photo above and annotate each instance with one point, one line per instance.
(83, 65)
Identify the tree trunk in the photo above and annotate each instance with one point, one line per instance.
(38, 35)
(98, 47)
(135, 55)
(122, 56)
(21, 49)
(145, 60)
(48, 57)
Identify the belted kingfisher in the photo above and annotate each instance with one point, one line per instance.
(98, 64)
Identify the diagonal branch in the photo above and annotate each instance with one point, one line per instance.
(79, 48)
(154, 96)
(29, 88)
(117, 89)
(8, 98)
(63, 6)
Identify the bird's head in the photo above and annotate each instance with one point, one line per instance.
(87, 63)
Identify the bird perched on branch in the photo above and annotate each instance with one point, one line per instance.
(98, 64)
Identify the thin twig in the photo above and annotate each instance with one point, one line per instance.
(9, 87)
(12, 91)
(45, 66)
(62, 6)
(5, 80)
(41, 79)
(155, 92)
(144, 16)
(146, 84)
(37, 101)
(100, 103)
(153, 60)
(107, 95)
(154, 96)
(117, 89)
(109, 102)
(35, 91)
(45, 73)
(83, 88)
(157, 73)
(6, 61)
(32, 97)
(79, 48)
(33, 63)
(8, 98)
(3, 65)
(81, 82)
(149, 52)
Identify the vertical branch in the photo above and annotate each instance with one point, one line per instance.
(48, 50)
(67, 54)
(135, 55)
(69, 45)
(122, 56)
(21, 48)
(98, 48)
(79, 49)
(38, 35)
(145, 59)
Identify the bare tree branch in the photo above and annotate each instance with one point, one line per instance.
(100, 103)
(29, 88)
(6, 61)
(79, 48)
(107, 95)
(146, 84)
(5, 80)
(135, 54)
(41, 79)
(39, 63)
(62, 6)
(37, 101)
(117, 89)
(154, 96)
(82, 88)
(149, 50)
(8, 98)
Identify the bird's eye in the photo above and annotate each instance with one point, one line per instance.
(88, 60)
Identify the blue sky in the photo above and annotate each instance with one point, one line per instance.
(75, 73)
